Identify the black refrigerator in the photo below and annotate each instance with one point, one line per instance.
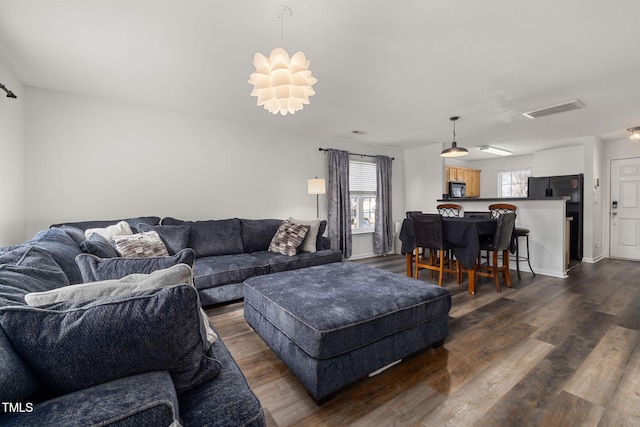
(572, 187)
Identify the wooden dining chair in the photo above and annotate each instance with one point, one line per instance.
(431, 247)
(498, 209)
(449, 209)
(500, 244)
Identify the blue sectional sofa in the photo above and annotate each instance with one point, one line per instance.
(60, 365)
(227, 251)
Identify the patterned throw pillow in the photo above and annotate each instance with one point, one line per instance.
(309, 243)
(288, 238)
(141, 245)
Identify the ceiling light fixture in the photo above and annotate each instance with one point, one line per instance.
(454, 151)
(495, 150)
(281, 83)
(635, 132)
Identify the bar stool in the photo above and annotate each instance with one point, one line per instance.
(449, 209)
(429, 234)
(498, 209)
(500, 243)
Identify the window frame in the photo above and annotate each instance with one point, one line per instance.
(359, 192)
(526, 172)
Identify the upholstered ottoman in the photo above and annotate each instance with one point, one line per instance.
(336, 323)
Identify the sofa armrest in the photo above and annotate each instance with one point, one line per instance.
(147, 399)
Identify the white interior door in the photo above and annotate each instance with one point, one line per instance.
(625, 209)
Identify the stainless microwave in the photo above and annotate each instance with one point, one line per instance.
(457, 189)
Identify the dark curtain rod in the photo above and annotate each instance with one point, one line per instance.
(353, 154)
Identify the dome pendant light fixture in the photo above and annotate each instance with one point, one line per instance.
(454, 151)
(281, 83)
(635, 132)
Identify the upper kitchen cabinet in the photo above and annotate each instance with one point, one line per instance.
(471, 177)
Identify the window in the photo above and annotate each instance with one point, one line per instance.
(513, 183)
(362, 190)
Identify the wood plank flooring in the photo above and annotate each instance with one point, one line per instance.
(548, 352)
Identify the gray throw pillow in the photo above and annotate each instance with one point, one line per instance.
(89, 343)
(178, 274)
(99, 246)
(62, 248)
(94, 268)
(28, 269)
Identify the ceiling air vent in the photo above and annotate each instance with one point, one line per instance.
(554, 109)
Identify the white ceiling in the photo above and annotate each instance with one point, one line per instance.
(396, 70)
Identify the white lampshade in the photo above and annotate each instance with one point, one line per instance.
(316, 186)
(282, 84)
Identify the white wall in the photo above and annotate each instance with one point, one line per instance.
(424, 177)
(623, 148)
(559, 161)
(89, 158)
(593, 248)
(490, 168)
(12, 189)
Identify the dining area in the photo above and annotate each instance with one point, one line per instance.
(465, 244)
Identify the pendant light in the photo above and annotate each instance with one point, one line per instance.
(454, 151)
(281, 83)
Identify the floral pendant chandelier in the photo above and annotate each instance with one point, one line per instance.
(281, 83)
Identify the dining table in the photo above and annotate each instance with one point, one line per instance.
(464, 234)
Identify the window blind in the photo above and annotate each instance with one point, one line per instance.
(362, 176)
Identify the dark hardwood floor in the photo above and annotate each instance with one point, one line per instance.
(548, 352)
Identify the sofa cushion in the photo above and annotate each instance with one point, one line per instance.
(109, 232)
(84, 225)
(147, 399)
(17, 382)
(310, 240)
(288, 238)
(99, 246)
(180, 273)
(88, 343)
(278, 262)
(140, 245)
(28, 269)
(226, 401)
(175, 237)
(94, 268)
(258, 233)
(220, 270)
(62, 248)
(75, 233)
(175, 275)
(212, 237)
